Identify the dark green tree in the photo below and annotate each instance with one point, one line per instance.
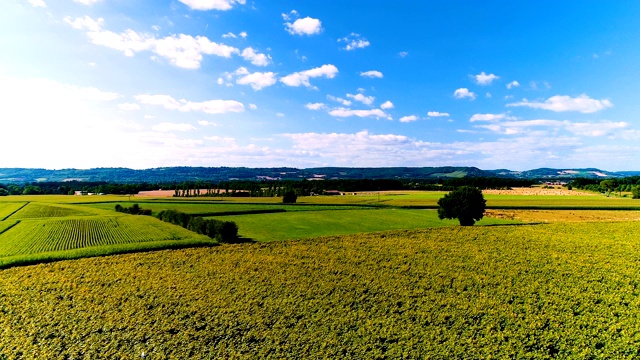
(290, 197)
(465, 203)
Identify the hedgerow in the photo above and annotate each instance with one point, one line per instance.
(224, 231)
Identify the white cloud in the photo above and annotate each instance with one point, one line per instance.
(354, 41)
(437, 114)
(484, 79)
(181, 50)
(86, 2)
(257, 80)
(343, 112)
(229, 35)
(209, 107)
(558, 103)
(243, 34)
(279, 114)
(513, 84)
(490, 117)
(387, 105)
(315, 106)
(409, 118)
(37, 3)
(257, 59)
(212, 4)
(302, 78)
(169, 127)
(342, 101)
(372, 74)
(290, 15)
(220, 81)
(367, 100)
(206, 123)
(305, 26)
(596, 129)
(128, 106)
(403, 54)
(464, 93)
(253, 106)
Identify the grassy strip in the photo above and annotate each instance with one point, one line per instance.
(18, 209)
(47, 257)
(240, 212)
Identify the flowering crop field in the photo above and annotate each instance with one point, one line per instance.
(563, 290)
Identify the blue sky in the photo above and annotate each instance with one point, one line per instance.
(140, 84)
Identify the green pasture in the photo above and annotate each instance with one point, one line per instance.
(295, 225)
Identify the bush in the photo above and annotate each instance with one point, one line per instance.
(135, 209)
(635, 192)
(466, 204)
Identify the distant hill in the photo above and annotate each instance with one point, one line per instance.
(179, 174)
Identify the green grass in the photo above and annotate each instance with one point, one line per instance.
(199, 207)
(40, 210)
(566, 291)
(295, 225)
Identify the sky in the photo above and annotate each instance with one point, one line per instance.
(152, 83)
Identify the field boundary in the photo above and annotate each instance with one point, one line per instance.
(9, 227)
(533, 207)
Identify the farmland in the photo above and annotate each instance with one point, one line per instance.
(358, 276)
(482, 292)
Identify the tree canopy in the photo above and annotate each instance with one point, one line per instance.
(466, 204)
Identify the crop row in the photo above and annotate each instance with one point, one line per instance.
(37, 236)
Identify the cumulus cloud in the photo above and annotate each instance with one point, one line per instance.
(595, 129)
(257, 80)
(559, 103)
(256, 58)
(372, 74)
(513, 84)
(315, 106)
(409, 118)
(490, 117)
(344, 112)
(354, 41)
(305, 26)
(464, 93)
(437, 114)
(302, 78)
(37, 3)
(169, 127)
(181, 50)
(342, 101)
(212, 4)
(387, 105)
(484, 79)
(367, 100)
(209, 107)
(128, 106)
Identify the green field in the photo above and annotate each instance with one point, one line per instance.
(296, 225)
(7, 209)
(504, 292)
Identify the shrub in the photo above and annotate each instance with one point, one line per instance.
(290, 197)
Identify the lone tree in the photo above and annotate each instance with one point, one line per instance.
(290, 197)
(465, 203)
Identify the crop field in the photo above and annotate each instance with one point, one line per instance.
(38, 210)
(564, 290)
(565, 215)
(6, 209)
(296, 225)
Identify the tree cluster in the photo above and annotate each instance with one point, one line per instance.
(223, 231)
(134, 209)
